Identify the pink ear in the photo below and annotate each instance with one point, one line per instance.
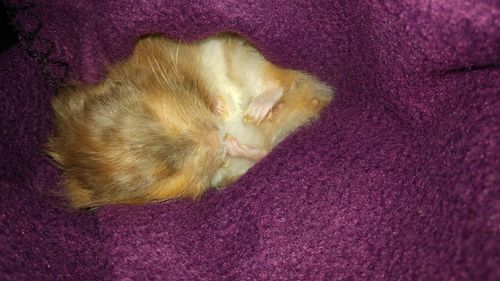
(315, 102)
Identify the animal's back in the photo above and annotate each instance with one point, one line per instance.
(135, 136)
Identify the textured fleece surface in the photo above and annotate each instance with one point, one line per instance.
(399, 179)
(40, 239)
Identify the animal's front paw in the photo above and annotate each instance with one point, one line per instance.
(235, 149)
(261, 107)
(220, 106)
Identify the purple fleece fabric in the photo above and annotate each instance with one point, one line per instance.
(39, 238)
(399, 179)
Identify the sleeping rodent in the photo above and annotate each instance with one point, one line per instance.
(176, 118)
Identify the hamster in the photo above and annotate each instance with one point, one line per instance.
(175, 119)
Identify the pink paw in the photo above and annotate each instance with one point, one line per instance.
(220, 107)
(235, 149)
(260, 109)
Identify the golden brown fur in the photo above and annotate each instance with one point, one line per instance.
(154, 128)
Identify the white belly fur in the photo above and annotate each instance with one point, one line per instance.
(237, 96)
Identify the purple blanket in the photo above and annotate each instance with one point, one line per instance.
(399, 180)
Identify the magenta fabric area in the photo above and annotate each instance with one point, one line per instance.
(398, 180)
